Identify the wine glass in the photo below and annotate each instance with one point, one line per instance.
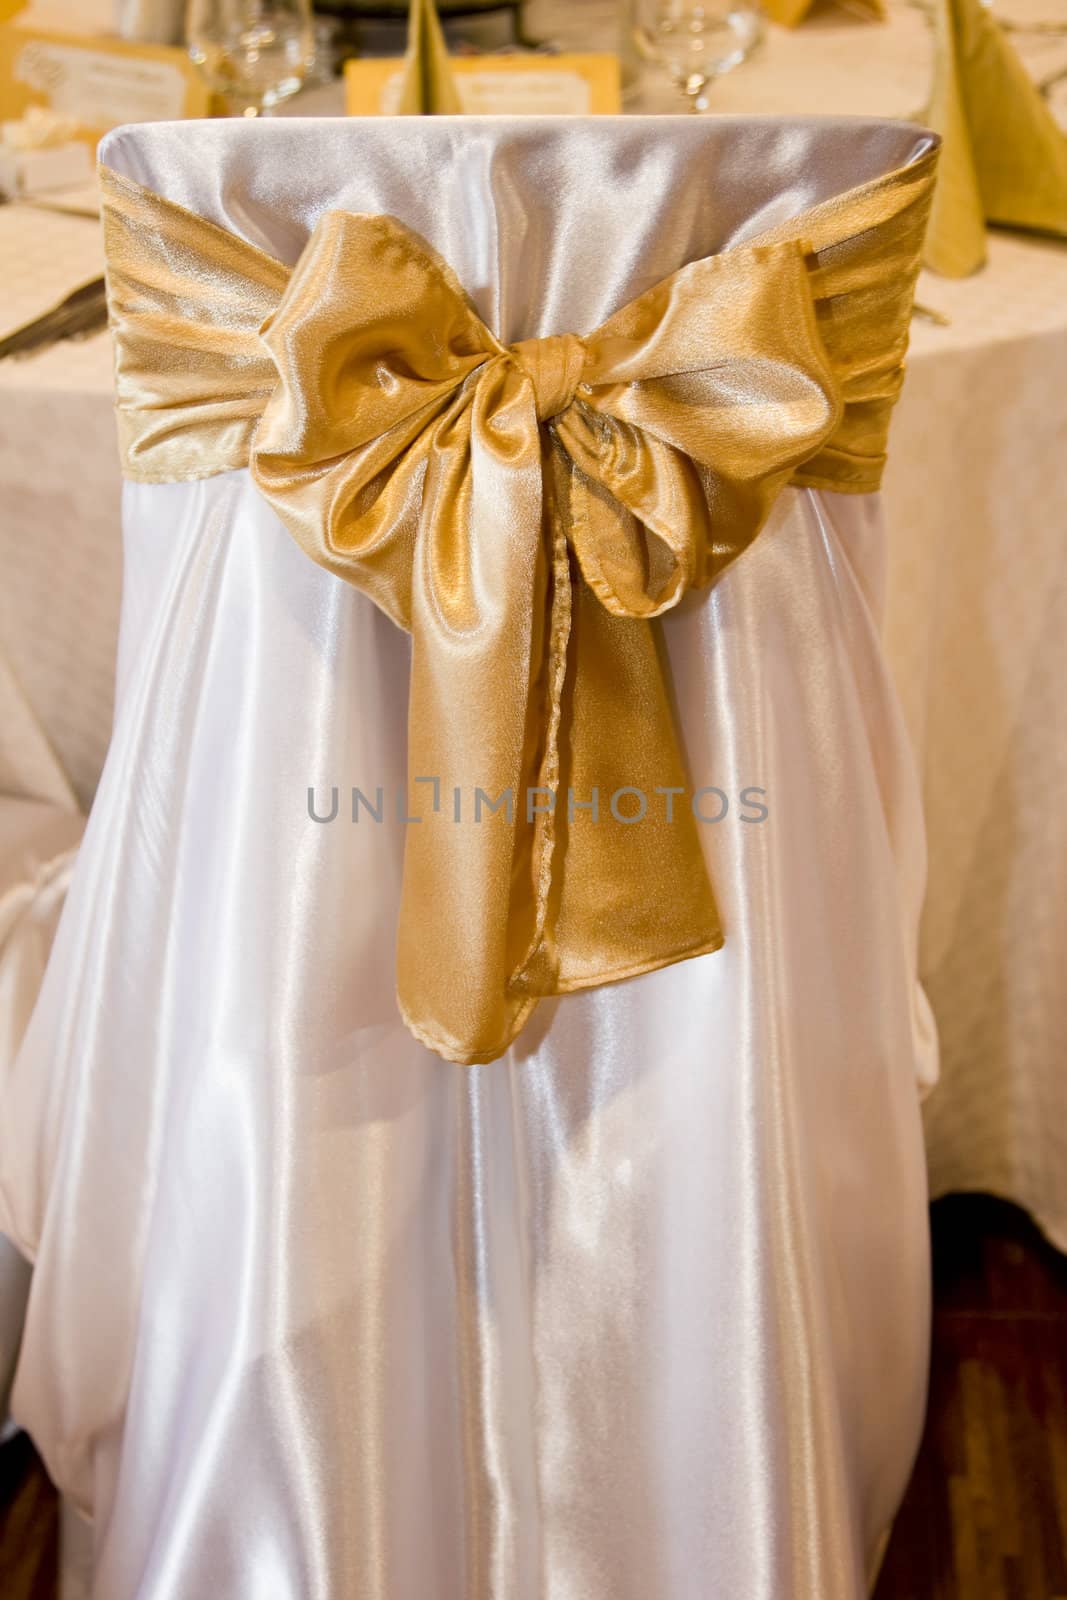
(255, 53)
(699, 40)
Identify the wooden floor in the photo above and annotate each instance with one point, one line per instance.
(985, 1517)
(29, 1525)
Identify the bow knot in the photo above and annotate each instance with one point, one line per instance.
(554, 366)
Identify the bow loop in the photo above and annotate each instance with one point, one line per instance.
(554, 366)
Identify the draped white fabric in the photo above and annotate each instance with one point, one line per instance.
(639, 1310)
(38, 843)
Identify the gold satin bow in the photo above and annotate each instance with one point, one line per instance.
(458, 482)
(526, 512)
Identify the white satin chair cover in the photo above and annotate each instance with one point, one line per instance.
(638, 1311)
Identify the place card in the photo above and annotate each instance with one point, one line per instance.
(97, 81)
(503, 85)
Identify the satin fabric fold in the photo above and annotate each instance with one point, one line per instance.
(465, 485)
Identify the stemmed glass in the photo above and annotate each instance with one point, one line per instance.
(255, 53)
(699, 40)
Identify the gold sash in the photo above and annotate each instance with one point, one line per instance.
(524, 511)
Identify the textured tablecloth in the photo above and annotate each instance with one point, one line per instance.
(60, 539)
(977, 635)
(977, 622)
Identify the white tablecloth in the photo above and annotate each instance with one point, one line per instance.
(977, 618)
(60, 541)
(977, 634)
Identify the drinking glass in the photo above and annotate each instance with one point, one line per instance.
(699, 40)
(254, 53)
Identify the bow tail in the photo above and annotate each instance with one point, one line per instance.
(629, 889)
(482, 603)
(634, 895)
(535, 968)
(539, 724)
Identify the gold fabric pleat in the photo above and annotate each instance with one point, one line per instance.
(525, 512)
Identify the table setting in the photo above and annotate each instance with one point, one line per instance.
(166, 647)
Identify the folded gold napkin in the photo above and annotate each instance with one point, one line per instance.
(428, 86)
(1003, 158)
(790, 12)
(525, 511)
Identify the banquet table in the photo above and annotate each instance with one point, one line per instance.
(976, 591)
